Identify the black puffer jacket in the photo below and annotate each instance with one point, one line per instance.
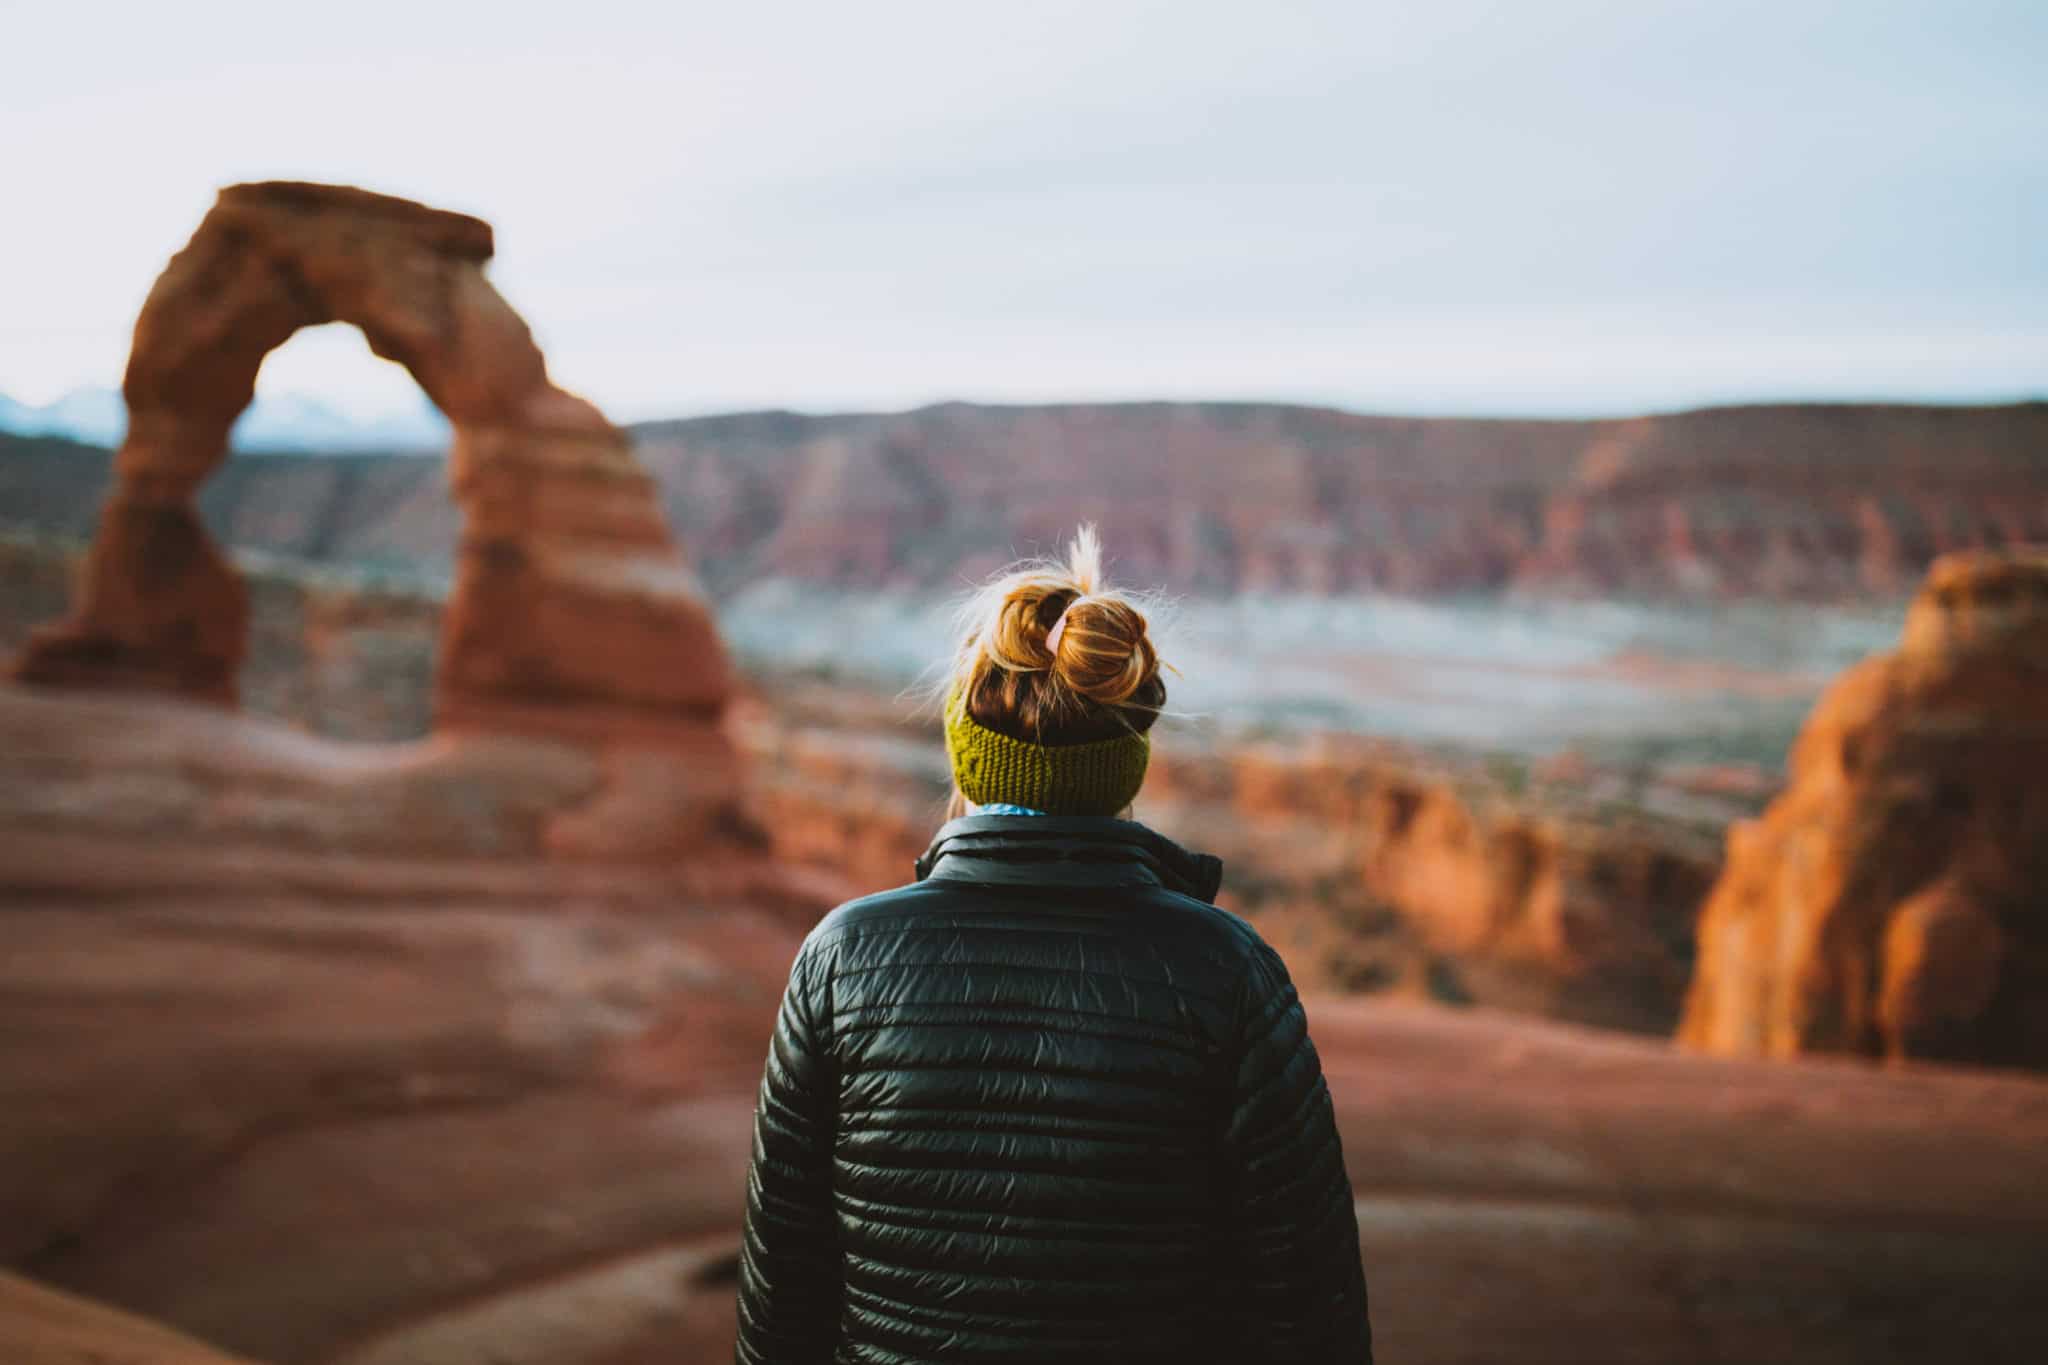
(1046, 1104)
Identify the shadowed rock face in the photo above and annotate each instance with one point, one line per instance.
(41, 1326)
(572, 608)
(1894, 901)
(1375, 870)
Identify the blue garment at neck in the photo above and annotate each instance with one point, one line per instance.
(1005, 808)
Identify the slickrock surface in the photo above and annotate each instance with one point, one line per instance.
(1534, 1191)
(1531, 1192)
(213, 784)
(304, 1039)
(41, 1326)
(1894, 900)
(309, 1052)
(362, 1114)
(572, 608)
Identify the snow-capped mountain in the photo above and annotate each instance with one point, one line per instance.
(280, 422)
(96, 416)
(292, 421)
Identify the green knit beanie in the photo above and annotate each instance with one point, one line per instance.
(1099, 777)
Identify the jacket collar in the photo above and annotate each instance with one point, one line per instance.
(1066, 850)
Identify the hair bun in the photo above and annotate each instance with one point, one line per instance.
(1052, 655)
(1104, 650)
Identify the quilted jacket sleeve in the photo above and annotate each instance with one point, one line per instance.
(789, 1289)
(1290, 1211)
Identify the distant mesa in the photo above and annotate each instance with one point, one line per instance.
(1805, 502)
(1894, 900)
(1786, 502)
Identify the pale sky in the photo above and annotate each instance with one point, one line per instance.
(1524, 206)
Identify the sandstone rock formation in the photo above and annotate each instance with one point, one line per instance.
(1894, 901)
(1381, 870)
(314, 1050)
(323, 1061)
(41, 1326)
(305, 1039)
(347, 654)
(572, 609)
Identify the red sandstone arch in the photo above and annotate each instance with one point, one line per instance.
(572, 606)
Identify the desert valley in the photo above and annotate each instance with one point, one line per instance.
(402, 854)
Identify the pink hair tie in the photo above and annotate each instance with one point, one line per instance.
(1059, 628)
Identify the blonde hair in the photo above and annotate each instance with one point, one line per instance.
(1099, 677)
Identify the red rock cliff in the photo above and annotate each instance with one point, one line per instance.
(1807, 501)
(1372, 867)
(1894, 901)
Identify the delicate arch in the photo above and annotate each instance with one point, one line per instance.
(572, 607)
